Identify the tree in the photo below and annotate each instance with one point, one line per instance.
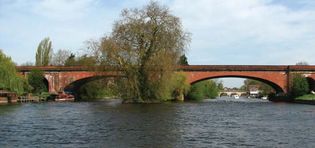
(9, 80)
(302, 63)
(37, 81)
(146, 45)
(180, 86)
(183, 60)
(299, 86)
(220, 85)
(93, 50)
(86, 60)
(70, 61)
(60, 57)
(27, 64)
(265, 88)
(44, 53)
(204, 89)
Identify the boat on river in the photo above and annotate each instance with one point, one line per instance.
(236, 96)
(264, 97)
(62, 96)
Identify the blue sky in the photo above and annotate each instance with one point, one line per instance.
(223, 32)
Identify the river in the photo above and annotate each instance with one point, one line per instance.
(212, 123)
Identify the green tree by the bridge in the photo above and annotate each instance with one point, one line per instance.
(37, 81)
(299, 85)
(208, 89)
(183, 60)
(146, 45)
(44, 53)
(265, 88)
(9, 79)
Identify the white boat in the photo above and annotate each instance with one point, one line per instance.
(236, 96)
(264, 97)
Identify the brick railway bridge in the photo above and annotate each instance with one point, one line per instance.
(60, 78)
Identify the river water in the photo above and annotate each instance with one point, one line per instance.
(216, 123)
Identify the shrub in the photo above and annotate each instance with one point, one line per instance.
(299, 85)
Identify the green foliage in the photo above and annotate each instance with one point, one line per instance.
(180, 86)
(310, 97)
(202, 90)
(9, 80)
(98, 89)
(146, 45)
(84, 60)
(183, 60)
(299, 85)
(70, 60)
(37, 81)
(44, 53)
(265, 88)
(175, 88)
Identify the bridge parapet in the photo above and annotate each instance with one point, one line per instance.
(183, 68)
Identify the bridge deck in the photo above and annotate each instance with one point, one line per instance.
(184, 68)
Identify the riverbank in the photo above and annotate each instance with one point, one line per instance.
(305, 99)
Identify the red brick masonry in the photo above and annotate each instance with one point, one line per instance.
(278, 76)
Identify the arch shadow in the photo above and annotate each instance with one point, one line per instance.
(311, 83)
(74, 87)
(46, 83)
(275, 86)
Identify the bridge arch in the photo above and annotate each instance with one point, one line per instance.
(276, 80)
(75, 86)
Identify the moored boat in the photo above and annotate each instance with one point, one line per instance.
(62, 96)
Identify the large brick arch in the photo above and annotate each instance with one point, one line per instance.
(59, 80)
(76, 85)
(277, 80)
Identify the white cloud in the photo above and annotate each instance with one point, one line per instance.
(223, 32)
(63, 9)
(247, 29)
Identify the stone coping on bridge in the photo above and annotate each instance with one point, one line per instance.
(183, 68)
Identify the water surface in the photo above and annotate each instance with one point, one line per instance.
(215, 123)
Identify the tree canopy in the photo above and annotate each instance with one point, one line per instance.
(146, 45)
(9, 80)
(37, 80)
(44, 53)
(299, 86)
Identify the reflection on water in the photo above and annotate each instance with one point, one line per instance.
(212, 123)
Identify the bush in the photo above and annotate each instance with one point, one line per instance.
(37, 81)
(299, 86)
(180, 86)
(205, 89)
(98, 89)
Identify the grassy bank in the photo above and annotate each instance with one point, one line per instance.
(308, 97)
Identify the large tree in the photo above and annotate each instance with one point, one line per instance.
(146, 45)
(9, 80)
(60, 57)
(44, 53)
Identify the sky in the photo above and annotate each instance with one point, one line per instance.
(224, 32)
